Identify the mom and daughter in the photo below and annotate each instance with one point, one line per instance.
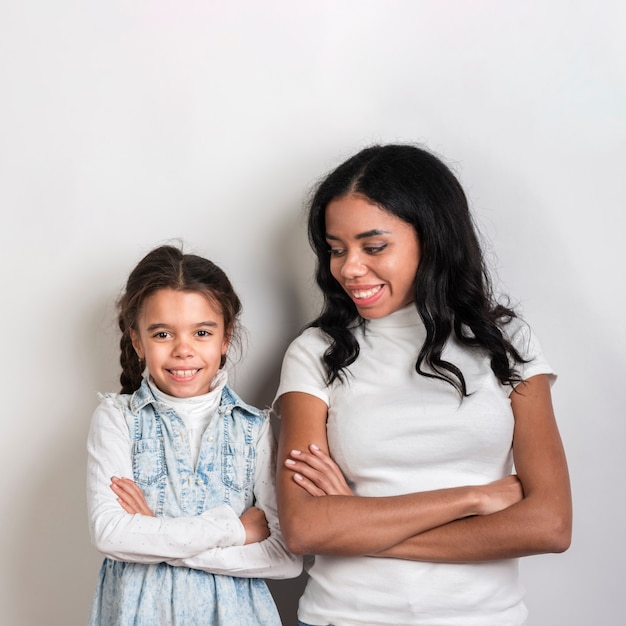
(418, 455)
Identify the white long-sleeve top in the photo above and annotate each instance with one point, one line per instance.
(212, 541)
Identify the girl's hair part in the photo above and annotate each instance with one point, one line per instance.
(453, 290)
(167, 267)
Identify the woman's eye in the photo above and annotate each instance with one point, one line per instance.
(335, 251)
(375, 249)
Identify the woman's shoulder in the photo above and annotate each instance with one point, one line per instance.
(311, 339)
(303, 368)
(525, 341)
(519, 333)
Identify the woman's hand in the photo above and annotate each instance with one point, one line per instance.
(499, 495)
(130, 496)
(317, 473)
(255, 525)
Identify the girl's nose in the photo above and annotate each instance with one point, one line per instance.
(182, 348)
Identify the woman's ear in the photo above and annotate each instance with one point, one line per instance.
(136, 341)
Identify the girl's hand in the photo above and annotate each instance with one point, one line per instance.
(317, 473)
(499, 495)
(130, 496)
(255, 525)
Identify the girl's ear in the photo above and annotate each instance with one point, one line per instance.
(134, 337)
(228, 333)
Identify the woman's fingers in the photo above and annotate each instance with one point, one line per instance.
(317, 473)
(308, 485)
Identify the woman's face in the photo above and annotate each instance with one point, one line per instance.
(374, 255)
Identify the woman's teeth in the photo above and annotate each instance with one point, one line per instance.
(362, 294)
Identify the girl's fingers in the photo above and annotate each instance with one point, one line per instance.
(125, 506)
(130, 496)
(126, 490)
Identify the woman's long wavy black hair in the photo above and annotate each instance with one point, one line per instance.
(167, 267)
(453, 292)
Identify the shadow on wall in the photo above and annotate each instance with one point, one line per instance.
(286, 593)
(301, 303)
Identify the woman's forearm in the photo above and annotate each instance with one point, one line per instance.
(328, 519)
(349, 526)
(521, 530)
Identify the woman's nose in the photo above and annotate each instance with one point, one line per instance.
(353, 266)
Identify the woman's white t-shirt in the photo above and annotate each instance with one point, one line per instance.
(393, 431)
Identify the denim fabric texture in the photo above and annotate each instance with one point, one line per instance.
(154, 594)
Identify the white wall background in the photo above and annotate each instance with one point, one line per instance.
(126, 124)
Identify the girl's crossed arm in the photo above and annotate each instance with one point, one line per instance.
(142, 538)
(132, 500)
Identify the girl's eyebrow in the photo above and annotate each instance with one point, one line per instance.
(368, 233)
(159, 325)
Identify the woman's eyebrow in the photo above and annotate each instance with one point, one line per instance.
(368, 233)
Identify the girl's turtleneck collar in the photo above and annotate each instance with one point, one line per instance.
(196, 402)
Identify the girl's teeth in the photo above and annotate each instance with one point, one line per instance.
(183, 373)
(366, 293)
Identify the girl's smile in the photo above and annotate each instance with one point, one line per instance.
(374, 255)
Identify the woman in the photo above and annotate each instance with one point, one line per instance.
(421, 390)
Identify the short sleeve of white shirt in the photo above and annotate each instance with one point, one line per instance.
(526, 343)
(303, 369)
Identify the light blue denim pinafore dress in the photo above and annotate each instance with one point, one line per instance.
(159, 594)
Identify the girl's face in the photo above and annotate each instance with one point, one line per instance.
(181, 336)
(373, 255)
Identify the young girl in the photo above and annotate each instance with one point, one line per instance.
(412, 384)
(180, 479)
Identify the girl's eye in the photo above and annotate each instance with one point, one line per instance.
(161, 335)
(203, 333)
